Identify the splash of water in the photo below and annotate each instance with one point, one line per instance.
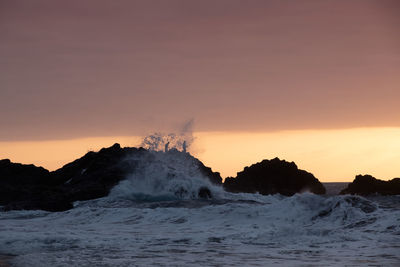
(165, 176)
(164, 141)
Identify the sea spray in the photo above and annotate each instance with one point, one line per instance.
(167, 175)
(155, 217)
(181, 140)
(167, 172)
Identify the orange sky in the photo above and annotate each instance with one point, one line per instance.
(95, 69)
(331, 155)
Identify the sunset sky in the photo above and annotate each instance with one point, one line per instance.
(315, 82)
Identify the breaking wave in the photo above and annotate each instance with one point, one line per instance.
(167, 213)
(170, 175)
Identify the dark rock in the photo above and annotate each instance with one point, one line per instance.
(93, 175)
(367, 185)
(272, 177)
(205, 193)
(89, 177)
(44, 204)
(214, 177)
(16, 173)
(19, 182)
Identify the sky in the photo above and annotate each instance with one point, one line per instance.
(89, 72)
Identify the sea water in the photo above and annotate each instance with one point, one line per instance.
(154, 218)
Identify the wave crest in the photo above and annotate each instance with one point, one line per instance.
(168, 175)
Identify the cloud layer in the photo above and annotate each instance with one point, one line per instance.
(95, 68)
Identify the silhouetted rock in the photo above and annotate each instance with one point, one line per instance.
(89, 177)
(20, 183)
(93, 175)
(367, 185)
(43, 204)
(272, 177)
(17, 173)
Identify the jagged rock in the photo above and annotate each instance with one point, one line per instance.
(367, 185)
(17, 173)
(89, 177)
(93, 175)
(272, 177)
(20, 183)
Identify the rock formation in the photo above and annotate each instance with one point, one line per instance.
(29, 187)
(368, 185)
(272, 177)
(92, 176)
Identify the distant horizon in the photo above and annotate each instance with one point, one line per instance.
(323, 153)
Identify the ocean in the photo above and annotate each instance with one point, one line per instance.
(155, 219)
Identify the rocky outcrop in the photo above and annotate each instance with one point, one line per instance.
(368, 185)
(273, 177)
(27, 186)
(92, 176)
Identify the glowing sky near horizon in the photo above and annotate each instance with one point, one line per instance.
(97, 70)
(331, 155)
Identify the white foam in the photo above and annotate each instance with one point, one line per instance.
(274, 230)
(154, 217)
(171, 175)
